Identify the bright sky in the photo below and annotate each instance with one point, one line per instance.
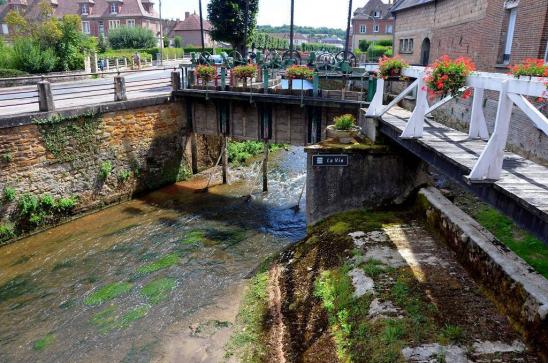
(330, 13)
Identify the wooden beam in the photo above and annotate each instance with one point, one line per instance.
(415, 126)
(399, 97)
(478, 125)
(376, 103)
(540, 121)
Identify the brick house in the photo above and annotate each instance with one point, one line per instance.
(189, 30)
(372, 22)
(494, 33)
(98, 16)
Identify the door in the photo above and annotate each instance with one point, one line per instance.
(425, 52)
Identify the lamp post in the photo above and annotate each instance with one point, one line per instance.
(292, 30)
(201, 26)
(161, 36)
(246, 26)
(347, 43)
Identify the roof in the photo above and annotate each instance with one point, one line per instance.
(406, 4)
(101, 8)
(192, 23)
(371, 7)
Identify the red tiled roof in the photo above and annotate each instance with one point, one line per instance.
(192, 22)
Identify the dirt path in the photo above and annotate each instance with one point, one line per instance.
(277, 331)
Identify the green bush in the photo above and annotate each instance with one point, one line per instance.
(66, 204)
(131, 38)
(105, 169)
(345, 122)
(47, 202)
(389, 53)
(124, 175)
(28, 57)
(28, 204)
(384, 42)
(11, 73)
(127, 53)
(178, 41)
(376, 51)
(363, 45)
(6, 56)
(7, 231)
(9, 194)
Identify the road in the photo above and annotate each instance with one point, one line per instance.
(19, 100)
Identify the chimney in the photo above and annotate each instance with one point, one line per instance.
(187, 14)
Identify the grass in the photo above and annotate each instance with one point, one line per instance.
(108, 292)
(340, 228)
(159, 289)
(451, 334)
(374, 268)
(247, 343)
(160, 264)
(44, 342)
(532, 250)
(241, 152)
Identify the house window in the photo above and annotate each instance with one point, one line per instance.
(113, 24)
(376, 28)
(410, 49)
(377, 14)
(85, 9)
(389, 29)
(546, 54)
(510, 35)
(406, 45)
(363, 29)
(113, 8)
(130, 23)
(5, 29)
(85, 27)
(101, 28)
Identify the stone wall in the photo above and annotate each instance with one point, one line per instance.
(376, 176)
(96, 159)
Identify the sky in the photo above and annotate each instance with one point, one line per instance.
(317, 13)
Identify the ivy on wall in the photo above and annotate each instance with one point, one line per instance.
(68, 138)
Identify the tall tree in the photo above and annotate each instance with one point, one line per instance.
(228, 18)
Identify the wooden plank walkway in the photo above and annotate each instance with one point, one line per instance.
(523, 182)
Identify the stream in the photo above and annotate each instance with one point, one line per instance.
(113, 286)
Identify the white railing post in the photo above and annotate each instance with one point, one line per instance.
(376, 103)
(489, 165)
(415, 126)
(478, 126)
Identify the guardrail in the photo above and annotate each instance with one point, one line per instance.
(512, 92)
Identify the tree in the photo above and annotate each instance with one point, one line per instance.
(363, 45)
(131, 38)
(228, 20)
(178, 41)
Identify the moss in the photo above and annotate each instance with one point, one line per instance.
(247, 343)
(18, 286)
(358, 220)
(374, 268)
(532, 250)
(110, 319)
(160, 264)
(133, 315)
(340, 228)
(193, 237)
(159, 289)
(62, 264)
(44, 342)
(108, 292)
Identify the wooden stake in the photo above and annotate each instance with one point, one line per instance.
(265, 167)
(225, 160)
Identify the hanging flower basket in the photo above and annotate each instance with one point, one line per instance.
(391, 67)
(344, 130)
(299, 72)
(206, 73)
(531, 68)
(447, 77)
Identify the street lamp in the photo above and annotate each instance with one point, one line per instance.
(246, 28)
(347, 43)
(161, 36)
(292, 30)
(201, 26)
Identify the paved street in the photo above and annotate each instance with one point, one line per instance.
(18, 100)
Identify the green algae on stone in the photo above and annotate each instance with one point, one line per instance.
(133, 315)
(158, 290)
(109, 319)
(340, 228)
(194, 237)
(108, 292)
(62, 265)
(160, 264)
(44, 342)
(18, 286)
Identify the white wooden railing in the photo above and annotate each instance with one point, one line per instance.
(511, 91)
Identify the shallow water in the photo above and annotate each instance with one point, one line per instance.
(192, 246)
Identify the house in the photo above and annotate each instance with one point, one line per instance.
(494, 33)
(189, 30)
(372, 22)
(98, 16)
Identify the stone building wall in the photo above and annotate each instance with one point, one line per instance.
(95, 159)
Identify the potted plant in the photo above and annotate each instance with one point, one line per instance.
(299, 72)
(391, 67)
(344, 130)
(205, 73)
(530, 68)
(245, 72)
(448, 77)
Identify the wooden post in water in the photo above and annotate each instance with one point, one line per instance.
(265, 166)
(225, 159)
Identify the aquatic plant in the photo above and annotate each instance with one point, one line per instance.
(162, 263)
(109, 319)
(44, 342)
(194, 237)
(108, 292)
(158, 290)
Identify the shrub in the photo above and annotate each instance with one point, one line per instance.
(389, 53)
(7, 231)
(206, 73)
(11, 73)
(244, 72)
(384, 42)
(345, 122)
(178, 41)
(124, 175)
(131, 38)
(66, 204)
(299, 72)
(47, 202)
(531, 68)
(9, 194)
(391, 66)
(28, 204)
(28, 56)
(105, 169)
(363, 45)
(375, 51)
(447, 76)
